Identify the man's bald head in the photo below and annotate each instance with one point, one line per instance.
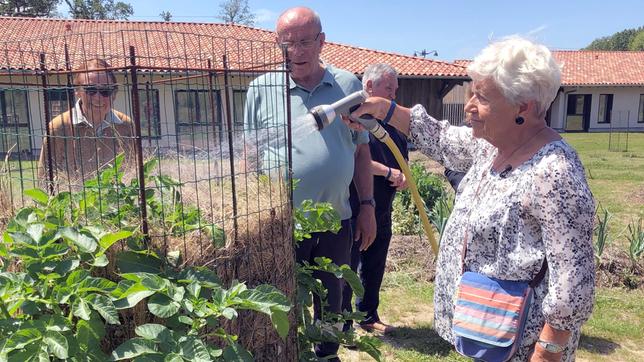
(298, 17)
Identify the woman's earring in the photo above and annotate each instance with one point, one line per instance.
(519, 120)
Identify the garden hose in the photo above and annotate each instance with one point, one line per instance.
(323, 115)
(415, 195)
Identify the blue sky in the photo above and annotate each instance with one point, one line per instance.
(456, 29)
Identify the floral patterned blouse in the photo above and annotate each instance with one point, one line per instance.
(543, 208)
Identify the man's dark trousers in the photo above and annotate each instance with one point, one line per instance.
(370, 266)
(336, 247)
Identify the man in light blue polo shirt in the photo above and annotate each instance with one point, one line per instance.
(324, 163)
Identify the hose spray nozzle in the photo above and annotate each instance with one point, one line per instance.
(324, 114)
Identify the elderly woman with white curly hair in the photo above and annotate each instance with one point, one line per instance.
(523, 208)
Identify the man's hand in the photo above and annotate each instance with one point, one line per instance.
(366, 226)
(397, 179)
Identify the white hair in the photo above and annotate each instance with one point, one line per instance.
(522, 70)
(375, 72)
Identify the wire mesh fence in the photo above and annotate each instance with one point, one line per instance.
(620, 128)
(145, 130)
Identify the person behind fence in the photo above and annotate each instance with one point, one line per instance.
(380, 80)
(526, 207)
(88, 137)
(323, 162)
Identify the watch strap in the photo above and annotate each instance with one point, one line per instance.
(551, 347)
(370, 201)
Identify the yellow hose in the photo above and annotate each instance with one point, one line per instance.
(415, 195)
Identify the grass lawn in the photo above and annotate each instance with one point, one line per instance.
(615, 331)
(616, 178)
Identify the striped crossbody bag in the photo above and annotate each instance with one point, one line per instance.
(490, 314)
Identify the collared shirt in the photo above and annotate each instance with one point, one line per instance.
(78, 118)
(323, 162)
(79, 150)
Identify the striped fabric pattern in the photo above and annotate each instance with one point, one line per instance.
(489, 310)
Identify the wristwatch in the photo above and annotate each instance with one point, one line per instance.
(551, 347)
(370, 201)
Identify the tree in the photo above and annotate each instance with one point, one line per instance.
(236, 12)
(28, 8)
(166, 16)
(637, 44)
(99, 9)
(618, 41)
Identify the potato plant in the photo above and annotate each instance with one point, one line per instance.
(53, 306)
(319, 217)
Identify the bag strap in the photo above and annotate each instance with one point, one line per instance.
(533, 283)
(540, 275)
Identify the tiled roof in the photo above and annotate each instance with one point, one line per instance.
(592, 68)
(596, 68)
(176, 44)
(462, 62)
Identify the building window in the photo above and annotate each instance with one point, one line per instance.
(578, 112)
(196, 112)
(57, 100)
(239, 99)
(640, 119)
(605, 108)
(149, 112)
(14, 122)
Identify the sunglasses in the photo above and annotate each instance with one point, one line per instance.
(103, 91)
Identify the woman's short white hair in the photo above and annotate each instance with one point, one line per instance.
(522, 70)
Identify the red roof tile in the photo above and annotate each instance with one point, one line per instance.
(592, 68)
(175, 44)
(596, 68)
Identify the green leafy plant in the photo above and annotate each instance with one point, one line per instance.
(312, 217)
(109, 199)
(319, 217)
(635, 238)
(601, 232)
(53, 305)
(405, 219)
(405, 216)
(191, 304)
(441, 212)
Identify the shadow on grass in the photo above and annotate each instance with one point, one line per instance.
(597, 345)
(422, 340)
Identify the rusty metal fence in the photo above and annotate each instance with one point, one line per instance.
(175, 129)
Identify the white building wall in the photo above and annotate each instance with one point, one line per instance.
(624, 114)
(123, 101)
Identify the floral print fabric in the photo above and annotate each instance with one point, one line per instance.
(512, 220)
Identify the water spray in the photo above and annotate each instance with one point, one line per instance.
(325, 114)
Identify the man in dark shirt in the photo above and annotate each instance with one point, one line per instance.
(379, 80)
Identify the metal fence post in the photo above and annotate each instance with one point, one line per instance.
(50, 168)
(139, 143)
(229, 124)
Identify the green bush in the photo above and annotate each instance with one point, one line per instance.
(404, 215)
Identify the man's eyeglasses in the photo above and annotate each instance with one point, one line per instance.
(103, 91)
(304, 44)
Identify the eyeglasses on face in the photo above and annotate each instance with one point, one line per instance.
(92, 90)
(304, 44)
